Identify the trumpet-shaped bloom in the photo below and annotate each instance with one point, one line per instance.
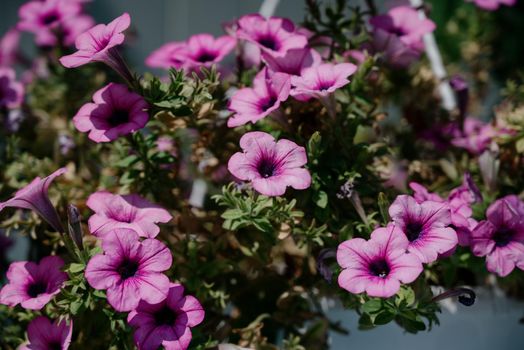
(33, 285)
(130, 269)
(492, 5)
(44, 335)
(273, 35)
(167, 323)
(128, 211)
(265, 97)
(34, 197)
(425, 225)
(500, 238)
(321, 81)
(270, 166)
(11, 91)
(293, 61)
(379, 265)
(170, 55)
(398, 34)
(116, 112)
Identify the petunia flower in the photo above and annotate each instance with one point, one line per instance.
(124, 211)
(99, 44)
(115, 112)
(293, 61)
(167, 323)
(11, 91)
(45, 18)
(170, 55)
(44, 335)
(492, 5)
(33, 285)
(264, 98)
(203, 50)
(377, 266)
(476, 135)
(399, 33)
(500, 238)
(9, 48)
(321, 81)
(270, 166)
(34, 197)
(273, 35)
(425, 225)
(130, 269)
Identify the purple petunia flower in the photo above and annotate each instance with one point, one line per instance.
(34, 196)
(44, 335)
(270, 166)
(426, 226)
(33, 285)
(321, 81)
(500, 238)
(476, 135)
(273, 35)
(130, 269)
(264, 98)
(293, 61)
(128, 211)
(11, 91)
(492, 5)
(167, 323)
(398, 34)
(379, 265)
(9, 45)
(116, 111)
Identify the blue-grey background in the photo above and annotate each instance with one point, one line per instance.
(492, 323)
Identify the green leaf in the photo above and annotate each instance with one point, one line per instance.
(232, 214)
(384, 318)
(74, 267)
(322, 199)
(372, 306)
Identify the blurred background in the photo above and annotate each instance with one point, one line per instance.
(494, 322)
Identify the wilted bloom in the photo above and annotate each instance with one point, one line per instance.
(34, 196)
(99, 44)
(167, 323)
(65, 144)
(9, 48)
(130, 269)
(273, 35)
(398, 34)
(270, 166)
(265, 97)
(45, 18)
(293, 61)
(476, 135)
(125, 211)
(11, 91)
(321, 81)
(500, 238)
(33, 285)
(425, 225)
(379, 265)
(44, 335)
(116, 112)
(492, 5)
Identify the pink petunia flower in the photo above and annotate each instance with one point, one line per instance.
(11, 91)
(34, 197)
(130, 269)
(270, 166)
(167, 323)
(116, 112)
(99, 44)
(128, 211)
(293, 61)
(492, 5)
(203, 50)
(9, 45)
(44, 335)
(500, 238)
(170, 55)
(476, 135)
(426, 226)
(264, 98)
(321, 81)
(379, 265)
(45, 18)
(33, 285)
(398, 34)
(273, 35)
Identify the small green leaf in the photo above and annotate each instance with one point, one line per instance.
(74, 267)
(372, 306)
(322, 199)
(384, 318)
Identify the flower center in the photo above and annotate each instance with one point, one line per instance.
(54, 345)
(325, 85)
(128, 269)
(268, 42)
(50, 18)
(413, 230)
(36, 288)
(266, 167)
(205, 57)
(379, 268)
(268, 103)
(118, 117)
(503, 236)
(165, 316)
(398, 31)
